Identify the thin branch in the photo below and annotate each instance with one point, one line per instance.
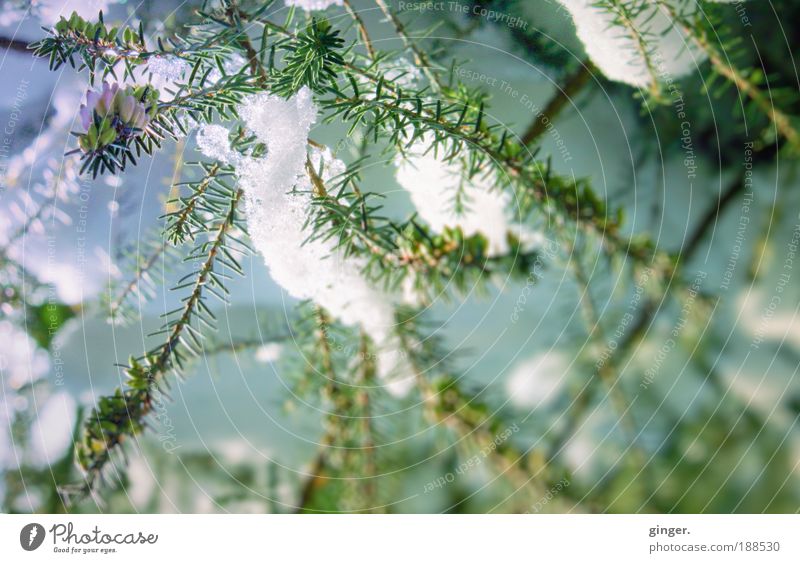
(315, 478)
(367, 375)
(256, 68)
(362, 29)
(710, 218)
(646, 314)
(127, 410)
(605, 373)
(14, 45)
(437, 409)
(420, 58)
(625, 19)
(141, 271)
(190, 304)
(180, 225)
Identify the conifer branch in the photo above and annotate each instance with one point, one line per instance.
(420, 58)
(722, 65)
(607, 374)
(123, 414)
(221, 62)
(625, 12)
(366, 378)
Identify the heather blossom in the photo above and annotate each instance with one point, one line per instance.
(115, 113)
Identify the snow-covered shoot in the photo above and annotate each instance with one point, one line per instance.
(444, 198)
(632, 42)
(279, 199)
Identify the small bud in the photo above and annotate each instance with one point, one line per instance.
(126, 108)
(108, 136)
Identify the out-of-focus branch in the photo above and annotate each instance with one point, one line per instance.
(14, 45)
(362, 29)
(573, 84)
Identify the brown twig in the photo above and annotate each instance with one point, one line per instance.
(316, 477)
(363, 401)
(573, 84)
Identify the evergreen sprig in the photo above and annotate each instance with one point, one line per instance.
(123, 414)
(634, 18)
(209, 90)
(312, 59)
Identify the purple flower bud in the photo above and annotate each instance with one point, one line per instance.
(87, 109)
(86, 117)
(105, 103)
(127, 105)
(140, 118)
(119, 106)
(99, 102)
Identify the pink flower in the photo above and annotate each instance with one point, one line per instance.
(100, 102)
(111, 101)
